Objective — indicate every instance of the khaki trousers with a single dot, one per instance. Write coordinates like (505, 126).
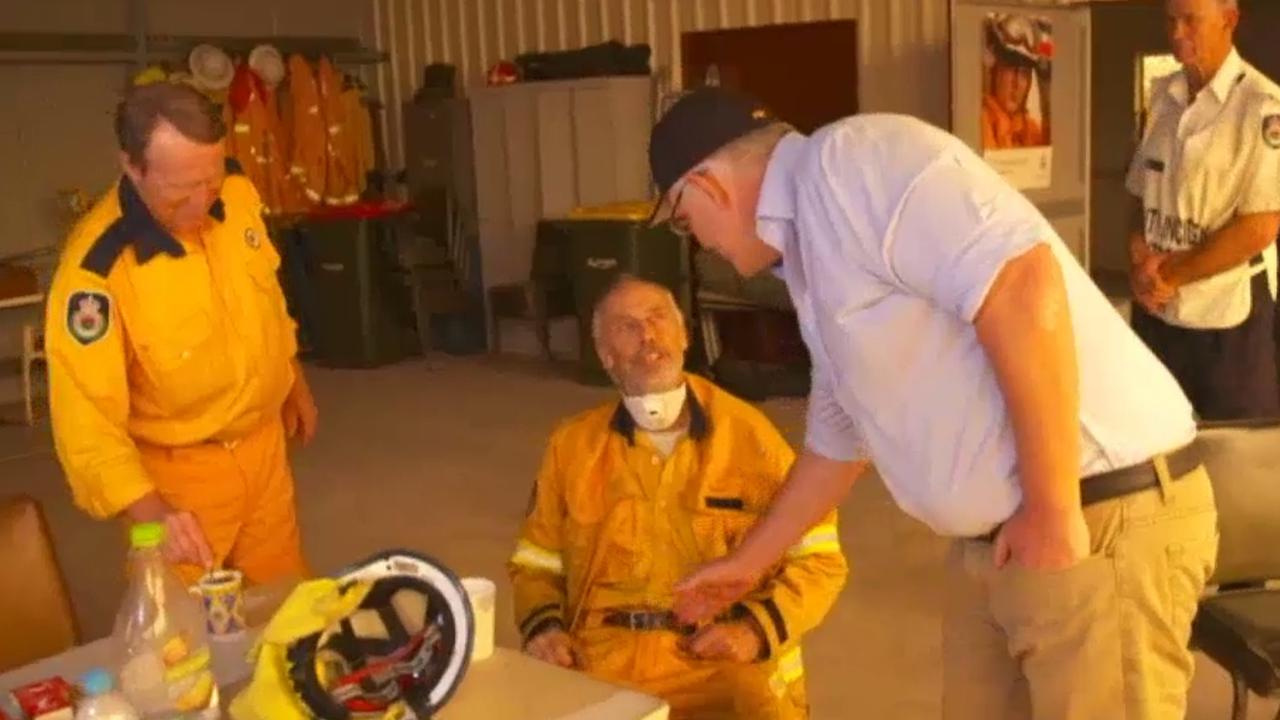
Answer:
(1104, 640)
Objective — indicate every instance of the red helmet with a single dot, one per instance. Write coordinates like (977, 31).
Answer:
(503, 72)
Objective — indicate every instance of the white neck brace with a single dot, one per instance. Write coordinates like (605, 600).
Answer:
(657, 411)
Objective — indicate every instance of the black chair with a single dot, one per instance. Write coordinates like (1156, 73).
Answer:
(1239, 626)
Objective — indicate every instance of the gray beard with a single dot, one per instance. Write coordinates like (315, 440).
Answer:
(659, 382)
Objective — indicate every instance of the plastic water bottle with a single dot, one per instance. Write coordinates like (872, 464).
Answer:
(166, 668)
(101, 702)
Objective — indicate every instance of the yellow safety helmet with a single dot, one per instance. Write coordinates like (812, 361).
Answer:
(388, 639)
(150, 75)
(1020, 40)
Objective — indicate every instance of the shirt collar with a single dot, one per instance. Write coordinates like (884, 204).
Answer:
(777, 192)
(699, 424)
(149, 238)
(1231, 72)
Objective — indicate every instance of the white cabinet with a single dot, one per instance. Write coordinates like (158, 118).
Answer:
(543, 148)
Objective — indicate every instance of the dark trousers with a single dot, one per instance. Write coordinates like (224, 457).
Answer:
(1228, 374)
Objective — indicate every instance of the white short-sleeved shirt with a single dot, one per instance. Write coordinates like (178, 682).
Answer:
(1202, 163)
(891, 233)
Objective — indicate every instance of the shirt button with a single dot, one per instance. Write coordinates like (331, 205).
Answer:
(655, 460)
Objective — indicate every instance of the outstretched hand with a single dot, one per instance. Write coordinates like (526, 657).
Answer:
(713, 588)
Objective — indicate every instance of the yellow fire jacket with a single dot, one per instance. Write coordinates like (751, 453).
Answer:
(612, 524)
(156, 340)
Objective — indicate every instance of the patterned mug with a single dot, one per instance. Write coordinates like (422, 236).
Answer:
(221, 593)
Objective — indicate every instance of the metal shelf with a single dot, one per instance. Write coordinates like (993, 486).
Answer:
(122, 49)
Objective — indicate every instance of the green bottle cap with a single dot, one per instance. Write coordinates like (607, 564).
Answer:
(146, 535)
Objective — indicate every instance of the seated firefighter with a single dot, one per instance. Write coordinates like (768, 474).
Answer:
(635, 494)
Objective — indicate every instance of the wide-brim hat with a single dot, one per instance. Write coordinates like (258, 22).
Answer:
(268, 63)
(211, 68)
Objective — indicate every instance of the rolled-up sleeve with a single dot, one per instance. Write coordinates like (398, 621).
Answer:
(956, 227)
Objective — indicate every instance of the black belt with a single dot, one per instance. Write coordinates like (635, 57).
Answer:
(647, 620)
(1127, 481)
(650, 620)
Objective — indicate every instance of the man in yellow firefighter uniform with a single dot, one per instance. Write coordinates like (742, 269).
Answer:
(634, 494)
(173, 381)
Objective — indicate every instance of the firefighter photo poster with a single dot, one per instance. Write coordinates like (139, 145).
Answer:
(1017, 73)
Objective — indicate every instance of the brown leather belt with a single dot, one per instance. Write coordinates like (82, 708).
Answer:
(1127, 481)
(651, 620)
(646, 620)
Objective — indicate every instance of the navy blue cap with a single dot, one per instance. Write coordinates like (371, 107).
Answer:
(696, 126)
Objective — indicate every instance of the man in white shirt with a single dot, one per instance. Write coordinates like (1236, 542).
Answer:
(958, 345)
(1207, 180)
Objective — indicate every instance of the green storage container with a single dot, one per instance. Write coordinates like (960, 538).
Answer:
(598, 251)
(362, 305)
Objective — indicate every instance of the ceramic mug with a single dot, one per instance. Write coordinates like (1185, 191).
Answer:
(222, 595)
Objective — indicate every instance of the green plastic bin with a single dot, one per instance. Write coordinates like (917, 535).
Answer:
(363, 304)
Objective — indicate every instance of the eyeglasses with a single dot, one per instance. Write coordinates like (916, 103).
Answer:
(679, 226)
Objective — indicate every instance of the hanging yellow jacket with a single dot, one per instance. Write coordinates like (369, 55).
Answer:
(307, 133)
(341, 186)
(359, 135)
(615, 525)
(276, 150)
(272, 150)
(293, 198)
(249, 135)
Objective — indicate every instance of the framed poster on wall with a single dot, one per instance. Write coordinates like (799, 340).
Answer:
(1017, 77)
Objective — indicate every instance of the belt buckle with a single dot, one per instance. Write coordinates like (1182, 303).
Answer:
(635, 621)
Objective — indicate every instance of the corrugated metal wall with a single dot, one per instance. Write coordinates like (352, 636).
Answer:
(903, 43)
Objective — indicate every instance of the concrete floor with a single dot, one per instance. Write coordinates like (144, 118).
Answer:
(438, 456)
